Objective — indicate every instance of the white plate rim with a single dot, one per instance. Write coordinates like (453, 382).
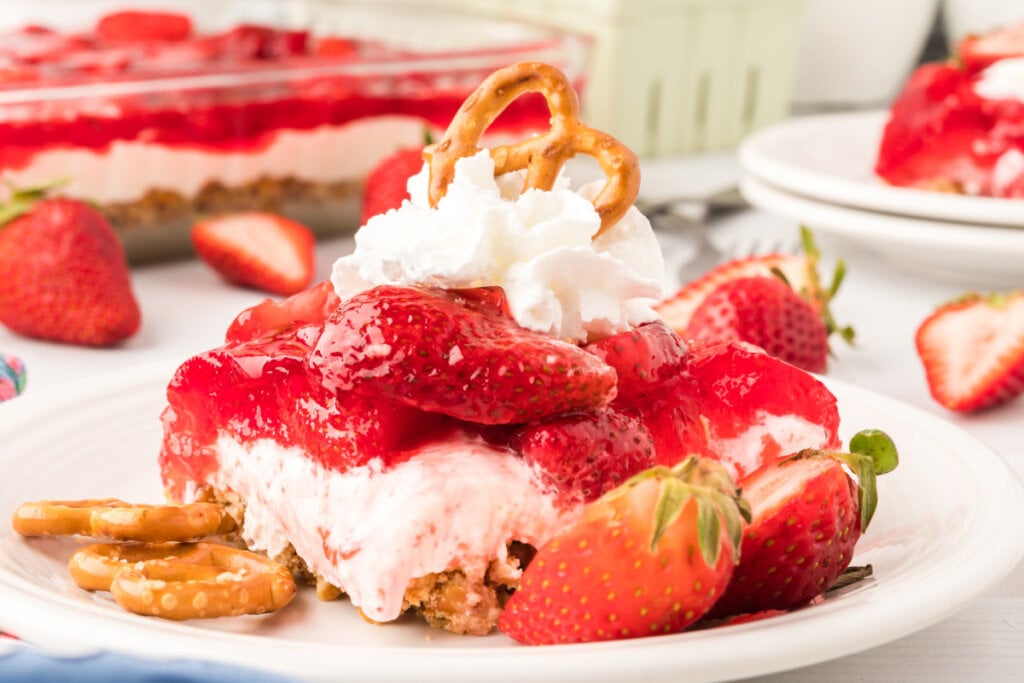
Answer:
(761, 155)
(737, 651)
(996, 253)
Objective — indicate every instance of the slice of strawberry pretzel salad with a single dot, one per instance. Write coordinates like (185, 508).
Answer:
(482, 420)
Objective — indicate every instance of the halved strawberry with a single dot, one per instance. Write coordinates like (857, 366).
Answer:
(585, 455)
(649, 557)
(980, 50)
(973, 350)
(808, 513)
(442, 352)
(774, 301)
(261, 250)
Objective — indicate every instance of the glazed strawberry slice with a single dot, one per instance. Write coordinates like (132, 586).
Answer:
(654, 386)
(269, 317)
(973, 351)
(808, 513)
(585, 455)
(644, 358)
(648, 558)
(758, 408)
(261, 250)
(437, 351)
(135, 26)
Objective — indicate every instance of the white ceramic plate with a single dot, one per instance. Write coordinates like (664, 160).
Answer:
(968, 254)
(831, 158)
(937, 541)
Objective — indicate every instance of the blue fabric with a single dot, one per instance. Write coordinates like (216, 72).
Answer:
(28, 665)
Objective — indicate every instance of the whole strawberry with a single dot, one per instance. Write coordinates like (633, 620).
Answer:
(808, 513)
(649, 557)
(774, 301)
(446, 352)
(767, 312)
(65, 277)
(385, 187)
(973, 350)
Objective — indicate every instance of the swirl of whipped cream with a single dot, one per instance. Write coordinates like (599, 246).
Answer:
(536, 245)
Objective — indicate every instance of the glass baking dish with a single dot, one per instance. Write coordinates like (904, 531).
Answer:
(159, 132)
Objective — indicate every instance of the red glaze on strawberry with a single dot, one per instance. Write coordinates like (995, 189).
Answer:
(972, 350)
(134, 26)
(644, 358)
(648, 558)
(805, 523)
(585, 455)
(758, 408)
(269, 317)
(942, 135)
(436, 351)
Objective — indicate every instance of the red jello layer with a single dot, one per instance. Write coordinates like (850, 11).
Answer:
(221, 92)
(942, 134)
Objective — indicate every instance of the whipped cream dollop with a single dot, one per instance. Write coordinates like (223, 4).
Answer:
(536, 245)
(1004, 80)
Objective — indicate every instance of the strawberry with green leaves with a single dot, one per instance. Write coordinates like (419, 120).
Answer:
(648, 558)
(972, 350)
(452, 353)
(65, 277)
(753, 300)
(808, 513)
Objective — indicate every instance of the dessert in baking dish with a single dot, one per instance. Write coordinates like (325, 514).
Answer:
(158, 121)
(484, 364)
(957, 125)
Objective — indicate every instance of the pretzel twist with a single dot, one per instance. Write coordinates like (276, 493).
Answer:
(542, 156)
(118, 520)
(188, 581)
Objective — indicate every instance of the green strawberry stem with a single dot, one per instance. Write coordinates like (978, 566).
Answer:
(878, 446)
(850, 576)
(817, 294)
(872, 452)
(718, 501)
(24, 198)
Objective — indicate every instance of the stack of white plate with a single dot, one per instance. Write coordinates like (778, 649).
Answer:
(818, 170)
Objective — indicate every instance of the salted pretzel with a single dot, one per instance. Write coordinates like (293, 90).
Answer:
(542, 156)
(187, 581)
(118, 520)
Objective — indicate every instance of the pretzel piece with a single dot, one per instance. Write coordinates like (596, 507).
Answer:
(187, 581)
(94, 567)
(542, 156)
(118, 520)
